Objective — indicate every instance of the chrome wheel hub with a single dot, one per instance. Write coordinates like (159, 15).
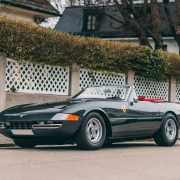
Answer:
(94, 130)
(170, 128)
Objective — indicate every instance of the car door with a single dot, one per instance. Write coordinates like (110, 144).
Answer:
(143, 115)
(118, 113)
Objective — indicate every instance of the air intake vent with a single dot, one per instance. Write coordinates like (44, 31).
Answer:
(20, 125)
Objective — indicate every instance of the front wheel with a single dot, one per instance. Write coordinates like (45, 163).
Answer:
(92, 133)
(168, 133)
(24, 145)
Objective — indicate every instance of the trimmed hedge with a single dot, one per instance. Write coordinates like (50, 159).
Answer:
(172, 65)
(24, 41)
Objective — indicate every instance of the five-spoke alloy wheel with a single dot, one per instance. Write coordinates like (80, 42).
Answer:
(170, 129)
(168, 133)
(92, 132)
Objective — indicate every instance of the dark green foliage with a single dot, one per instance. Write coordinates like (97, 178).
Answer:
(24, 41)
(172, 65)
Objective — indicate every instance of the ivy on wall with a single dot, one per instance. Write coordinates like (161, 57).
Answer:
(24, 41)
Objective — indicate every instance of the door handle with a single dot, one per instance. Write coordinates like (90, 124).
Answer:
(131, 103)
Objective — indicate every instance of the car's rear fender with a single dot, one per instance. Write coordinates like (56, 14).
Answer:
(173, 113)
(170, 112)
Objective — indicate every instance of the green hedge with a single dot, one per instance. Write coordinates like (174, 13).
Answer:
(24, 41)
(172, 65)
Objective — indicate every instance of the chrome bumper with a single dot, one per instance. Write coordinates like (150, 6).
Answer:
(46, 126)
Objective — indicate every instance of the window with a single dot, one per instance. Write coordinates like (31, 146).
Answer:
(164, 47)
(91, 22)
(91, 19)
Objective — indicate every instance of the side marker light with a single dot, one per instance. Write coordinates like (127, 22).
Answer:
(72, 117)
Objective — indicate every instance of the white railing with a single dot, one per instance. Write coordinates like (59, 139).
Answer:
(33, 78)
(90, 78)
(177, 98)
(151, 89)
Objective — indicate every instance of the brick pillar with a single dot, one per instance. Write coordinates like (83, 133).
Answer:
(130, 78)
(172, 90)
(75, 80)
(3, 59)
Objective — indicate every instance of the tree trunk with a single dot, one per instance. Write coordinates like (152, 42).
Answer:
(177, 4)
(156, 23)
(135, 23)
(174, 29)
(142, 36)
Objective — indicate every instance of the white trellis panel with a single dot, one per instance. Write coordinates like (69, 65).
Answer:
(33, 78)
(151, 89)
(177, 92)
(89, 78)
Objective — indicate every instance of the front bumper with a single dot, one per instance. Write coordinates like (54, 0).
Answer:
(53, 132)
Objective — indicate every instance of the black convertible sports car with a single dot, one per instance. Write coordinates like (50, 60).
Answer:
(96, 116)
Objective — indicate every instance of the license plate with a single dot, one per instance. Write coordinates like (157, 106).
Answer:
(21, 132)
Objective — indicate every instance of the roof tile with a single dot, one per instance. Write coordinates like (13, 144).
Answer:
(43, 5)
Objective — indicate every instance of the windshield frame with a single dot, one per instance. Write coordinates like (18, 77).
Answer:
(123, 86)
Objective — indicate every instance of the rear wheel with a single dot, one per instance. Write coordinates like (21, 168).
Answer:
(24, 145)
(168, 133)
(92, 133)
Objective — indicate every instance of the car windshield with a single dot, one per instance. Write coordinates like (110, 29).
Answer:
(119, 92)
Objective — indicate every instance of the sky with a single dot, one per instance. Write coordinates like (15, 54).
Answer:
(51, 22)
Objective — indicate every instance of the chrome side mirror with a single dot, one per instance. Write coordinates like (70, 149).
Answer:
(136, 99)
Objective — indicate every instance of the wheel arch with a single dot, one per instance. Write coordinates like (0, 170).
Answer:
(105, 118)
(161, 138)
(171, 112)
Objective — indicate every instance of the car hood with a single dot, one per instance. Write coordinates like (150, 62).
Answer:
(42, 108)
(38, 111)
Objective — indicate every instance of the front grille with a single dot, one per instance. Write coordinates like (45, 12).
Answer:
(20, 125)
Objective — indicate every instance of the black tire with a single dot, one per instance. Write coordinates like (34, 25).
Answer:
(92, 132)
(107, 144)
(168, 133)
(24, 145)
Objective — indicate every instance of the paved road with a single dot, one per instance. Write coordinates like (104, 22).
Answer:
(126, 161)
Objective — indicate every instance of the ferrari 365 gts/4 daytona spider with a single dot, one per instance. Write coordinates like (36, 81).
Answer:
(96, 116)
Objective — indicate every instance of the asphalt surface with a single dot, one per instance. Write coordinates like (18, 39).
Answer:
(130, 160)
(4, 141)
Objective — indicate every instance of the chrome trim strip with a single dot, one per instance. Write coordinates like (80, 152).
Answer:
(46, 126)
(129, 91)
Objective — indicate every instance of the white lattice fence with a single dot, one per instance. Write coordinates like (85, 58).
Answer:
(151, 89)
(89, 78)
(177, 92)
(31, 78)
